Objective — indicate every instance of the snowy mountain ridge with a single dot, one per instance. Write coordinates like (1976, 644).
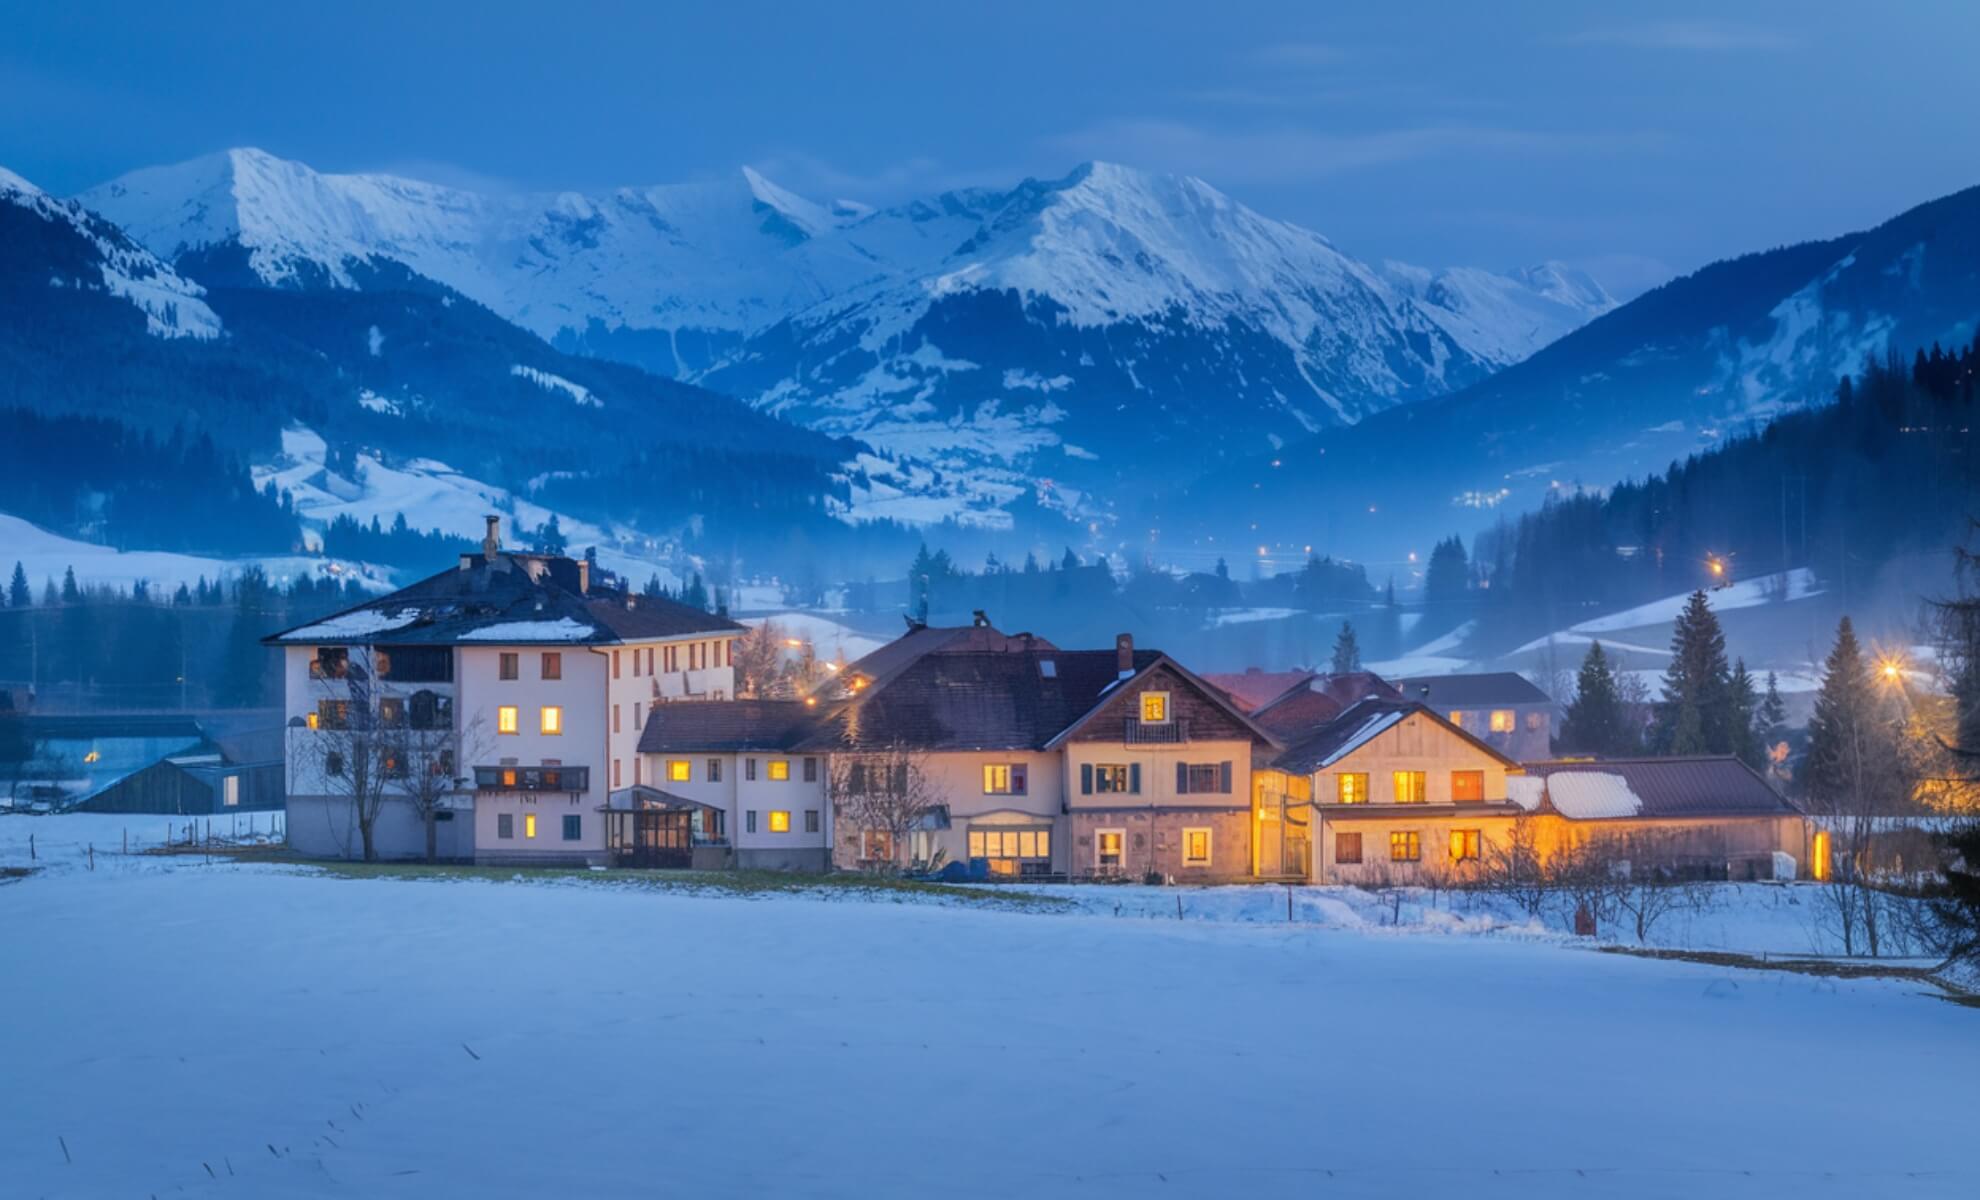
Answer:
(173, 306)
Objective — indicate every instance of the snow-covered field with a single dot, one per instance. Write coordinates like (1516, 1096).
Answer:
(45, 556)
(268, 1031)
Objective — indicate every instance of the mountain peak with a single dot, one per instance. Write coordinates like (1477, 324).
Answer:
(15, 183)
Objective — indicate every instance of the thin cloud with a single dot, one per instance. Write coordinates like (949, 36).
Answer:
(1700, 37)
(1299, 54)
(1296, 154)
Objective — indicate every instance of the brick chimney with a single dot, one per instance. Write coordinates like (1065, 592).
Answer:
(491, 542)
(1124, 654)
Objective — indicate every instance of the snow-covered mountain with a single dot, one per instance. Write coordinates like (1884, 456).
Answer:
(66, 246)
(1035, 339)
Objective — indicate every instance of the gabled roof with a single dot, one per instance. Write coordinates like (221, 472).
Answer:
(1252, 689)
(1607, 789)
(1479, 690)
(1322, 698)
(512, 599)
(687, 726)
(1214, 695)
(973, 700)
(1361, 724)
(883, 664)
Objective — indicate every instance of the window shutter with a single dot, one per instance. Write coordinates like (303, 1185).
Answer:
(1086, 779)
(1134, 778)
(1182, 779)
(1224, 777)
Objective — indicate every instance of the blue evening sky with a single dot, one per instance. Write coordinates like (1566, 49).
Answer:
(1633, 139)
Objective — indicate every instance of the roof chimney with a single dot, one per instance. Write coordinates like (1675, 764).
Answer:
(491, 542)
(980, 619)
(584, 577)
(1124, 654)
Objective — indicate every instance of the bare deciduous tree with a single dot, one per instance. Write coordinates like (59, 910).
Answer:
(425, 758)
(342, 751)
(758, 658)
(885, 791)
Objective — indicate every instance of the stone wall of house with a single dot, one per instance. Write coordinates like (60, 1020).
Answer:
(1153, 840)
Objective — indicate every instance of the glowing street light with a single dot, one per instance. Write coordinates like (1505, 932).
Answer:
(1891, 668)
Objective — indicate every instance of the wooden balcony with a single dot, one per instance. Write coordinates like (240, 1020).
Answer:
(532, 779)
(1145, 733)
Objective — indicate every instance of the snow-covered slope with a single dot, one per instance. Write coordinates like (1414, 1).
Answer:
(74, 248)
(45, 556)
(996, 334)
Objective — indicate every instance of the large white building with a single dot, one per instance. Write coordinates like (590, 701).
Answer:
(512, 677)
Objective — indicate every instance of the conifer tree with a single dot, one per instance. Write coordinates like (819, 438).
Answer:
(695, 595)
(1695, 714)
(1347, 652)
(1842, 729)
(49, 596)
(1596, 721)
(71, 594)
(19, 594)
(1745, 715)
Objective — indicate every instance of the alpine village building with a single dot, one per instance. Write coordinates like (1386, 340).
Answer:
(582, 724)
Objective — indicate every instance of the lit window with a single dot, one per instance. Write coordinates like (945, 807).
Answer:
(1351, 787)
(679, 770)
(529, 825)
(780, 821)
(1464, 844)
(1155, 707)
(1410, 787)
(1457, 718)
(507, 719)
(780, 771)
(553, 719)
(1405, 847)
(1196, 847)
(1467, 786)
(1107, 845)
(1502, 720)
(231, 790)
(1004, 779)
(1347, 847)
(1020, 844)
(311, 720)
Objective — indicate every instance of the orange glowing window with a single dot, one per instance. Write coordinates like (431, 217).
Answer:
(1410, 787)
(680, 770)
(1351, 787)
(1467, 786)
(529, 825)
(780, 821)
(1502, 720)
(1405, 847)
(507, 719)
(780, 770)
(1155, 707)
(553, 719)
(1464, 844)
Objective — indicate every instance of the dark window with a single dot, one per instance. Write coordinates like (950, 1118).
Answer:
(333, 714)
(553, 665)
(417, 664)
(749, 772)
(1347, 847)
(391, 712)
(333, 763)
(505, 826)
(331, 662)
(573, 827)
(714, 770)
(749, 821)
(511, 666)
(811, 770)
(811, 820)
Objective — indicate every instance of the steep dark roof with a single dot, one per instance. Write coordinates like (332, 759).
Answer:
(685, 726)
(1465, 691)
(884, 663)
(975, 700)
(1324, 697)
(516, 599)
(1361, 723)
(1715, 786)
(1252, 689)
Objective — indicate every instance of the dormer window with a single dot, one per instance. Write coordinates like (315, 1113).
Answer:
(1155, 708)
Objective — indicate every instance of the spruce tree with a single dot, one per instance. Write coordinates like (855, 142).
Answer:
(49, 596)
(1347, 653)
(1842, 725)
(19, 594)
(1745, 715)
(1695, 714)
(1596, 722)
(71, 594)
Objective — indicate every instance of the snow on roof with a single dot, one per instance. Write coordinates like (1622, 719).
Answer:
(1591, 795)
(1362, 736)
(358, 623)
(1527, 791)
(563, 629)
